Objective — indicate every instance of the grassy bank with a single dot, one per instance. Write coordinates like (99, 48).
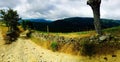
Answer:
(76, 47)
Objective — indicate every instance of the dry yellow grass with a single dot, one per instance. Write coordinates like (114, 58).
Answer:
(21, 29)
(75, 34)
(68, 49)
(43, 43)
(64, 48)
(3, 30)
(80, 35)
(104, 55)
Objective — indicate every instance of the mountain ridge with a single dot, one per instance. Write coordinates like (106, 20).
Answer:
(73, 24)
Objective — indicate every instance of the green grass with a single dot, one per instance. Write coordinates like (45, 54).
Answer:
(115, 31)
(111, 30)
(54, 46)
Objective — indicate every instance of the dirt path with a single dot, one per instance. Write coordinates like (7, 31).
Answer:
(24, 50)
(27, 51)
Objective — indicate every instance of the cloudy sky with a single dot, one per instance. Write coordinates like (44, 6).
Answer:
(56, 9)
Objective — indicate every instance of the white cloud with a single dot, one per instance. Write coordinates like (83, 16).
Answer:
(55, 9)
(110, 9)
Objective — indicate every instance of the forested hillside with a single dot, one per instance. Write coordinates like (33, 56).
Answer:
(73, 24)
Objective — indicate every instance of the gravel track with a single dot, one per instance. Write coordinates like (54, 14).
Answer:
(24, 50)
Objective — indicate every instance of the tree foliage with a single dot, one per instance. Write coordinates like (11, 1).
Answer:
(26, 24)
(11, 18)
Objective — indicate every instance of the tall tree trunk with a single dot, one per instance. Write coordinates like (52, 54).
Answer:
(97, 22)
(95, 5)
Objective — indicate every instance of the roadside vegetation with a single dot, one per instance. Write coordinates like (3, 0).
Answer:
(10, 19)
(77, 44)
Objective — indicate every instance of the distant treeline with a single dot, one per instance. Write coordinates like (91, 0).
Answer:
(74, 24)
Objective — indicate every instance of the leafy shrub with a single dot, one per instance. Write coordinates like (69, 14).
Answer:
(7, 39)
(11, 36)
(28, 34)
(54, 46)
(88, 48)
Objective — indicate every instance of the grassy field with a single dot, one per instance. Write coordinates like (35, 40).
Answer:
(72, 34)
(114, 31)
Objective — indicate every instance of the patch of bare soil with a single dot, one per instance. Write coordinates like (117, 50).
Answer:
(24, 50)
